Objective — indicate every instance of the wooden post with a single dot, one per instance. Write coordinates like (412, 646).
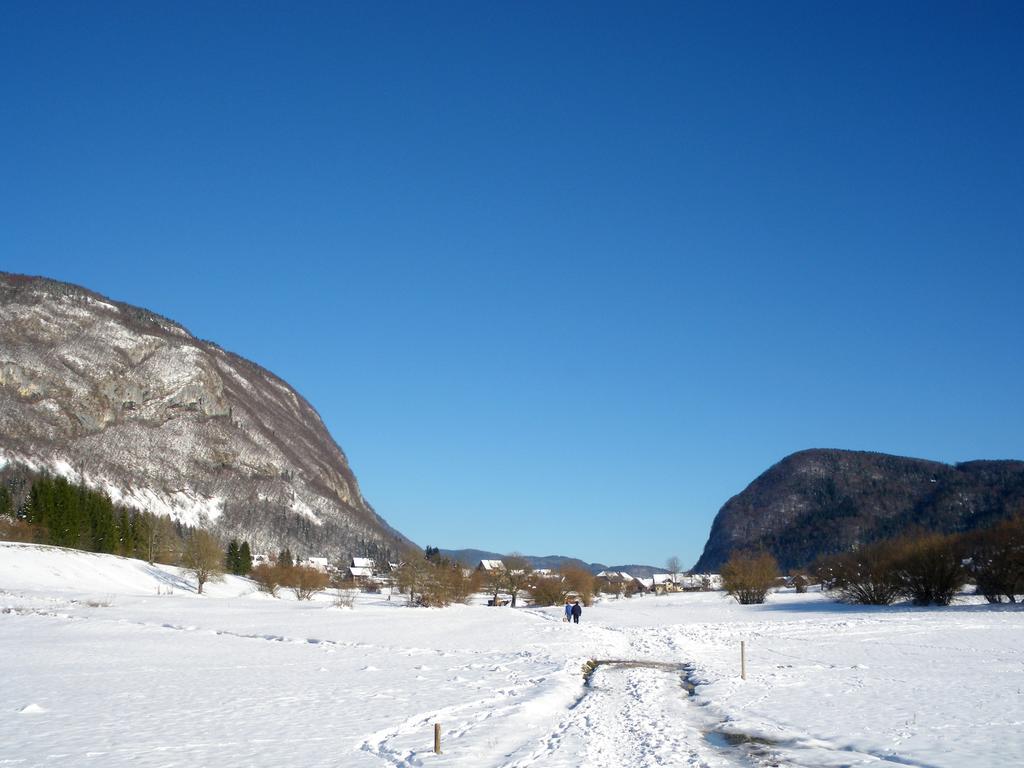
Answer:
(743, 659)
(437, 738)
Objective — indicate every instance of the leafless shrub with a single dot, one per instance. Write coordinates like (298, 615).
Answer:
(304, 581)
(548, 591)
(580, 582)
(996, 560)
(866, 577)
(749, 577)
(267, 578)
(800, 582)
(12, 529)
(345, 599)
(370, 587)
(930, 569)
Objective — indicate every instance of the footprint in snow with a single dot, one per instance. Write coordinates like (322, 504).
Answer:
(31, 709)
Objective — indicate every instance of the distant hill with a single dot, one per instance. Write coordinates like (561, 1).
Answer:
(824, 501)
(471, 557)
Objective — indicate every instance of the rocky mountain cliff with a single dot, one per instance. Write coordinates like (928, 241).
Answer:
(825, 501)
(131, 403)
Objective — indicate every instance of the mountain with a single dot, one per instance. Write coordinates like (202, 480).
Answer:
(130, 403)
(471, 557)
(822, 501)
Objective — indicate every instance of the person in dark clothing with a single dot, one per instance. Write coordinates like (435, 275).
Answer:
(576, 611)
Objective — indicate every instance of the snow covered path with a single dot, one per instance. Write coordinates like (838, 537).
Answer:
(97, 668)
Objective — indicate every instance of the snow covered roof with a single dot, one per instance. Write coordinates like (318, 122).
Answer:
(491, 565)
(662, 578)
(362, 562)
(358, 573)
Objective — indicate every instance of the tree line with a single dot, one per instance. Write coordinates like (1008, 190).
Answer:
(931, 568)
(63, 514)
(925, 567)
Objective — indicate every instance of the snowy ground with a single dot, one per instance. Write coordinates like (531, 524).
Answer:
(100, 666)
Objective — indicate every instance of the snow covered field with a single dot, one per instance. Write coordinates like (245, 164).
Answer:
(100, 666)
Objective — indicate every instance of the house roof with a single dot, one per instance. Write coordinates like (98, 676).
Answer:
(492, 565)
(362, 562)
(360, 572)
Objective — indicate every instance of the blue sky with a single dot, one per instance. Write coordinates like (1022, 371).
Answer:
(560, 278)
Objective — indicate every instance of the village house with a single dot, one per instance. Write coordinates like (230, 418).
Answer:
(620, 581)
(361, 570)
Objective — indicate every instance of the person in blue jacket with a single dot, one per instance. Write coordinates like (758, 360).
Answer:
(576, 612)
(568, 610)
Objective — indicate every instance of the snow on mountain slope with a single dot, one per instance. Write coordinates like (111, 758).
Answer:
(132, 404)
(238, 678)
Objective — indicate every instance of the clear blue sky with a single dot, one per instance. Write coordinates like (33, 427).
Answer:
(560, 278)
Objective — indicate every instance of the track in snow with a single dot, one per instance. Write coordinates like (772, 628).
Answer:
(621, 720)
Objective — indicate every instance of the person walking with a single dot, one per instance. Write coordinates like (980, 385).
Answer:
(568, 611)
(576, 612)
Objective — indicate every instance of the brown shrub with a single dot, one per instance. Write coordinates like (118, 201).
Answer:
(304, 581)
(12, 529)
(930, 568)
(548, 591)
(868, 576)
(267, 578)
(580, 582)
(996, 557)
(749, 577)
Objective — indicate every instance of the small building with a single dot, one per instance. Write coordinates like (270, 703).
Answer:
(662, 583)
(360, 575)
(491, 566)
(621, 581)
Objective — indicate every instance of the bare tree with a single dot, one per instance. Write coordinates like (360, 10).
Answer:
(580, 582)
(412, 575)
(492, 581)
(672, 565)
(203, 557)
(518, 574)
(160, 538)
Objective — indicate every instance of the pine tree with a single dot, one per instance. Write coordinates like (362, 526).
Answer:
(244, 559)
(231, 559)
(126, 534)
